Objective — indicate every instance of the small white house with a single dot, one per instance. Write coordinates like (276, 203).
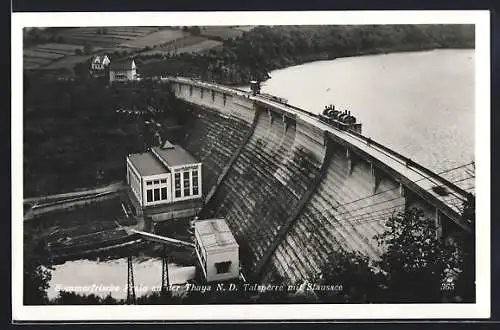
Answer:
(99, 63)
(217, 250)
(122, 71)
(166, 175)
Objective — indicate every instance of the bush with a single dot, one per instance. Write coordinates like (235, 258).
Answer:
(88, 48)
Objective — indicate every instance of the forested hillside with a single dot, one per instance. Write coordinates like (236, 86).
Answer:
(73, 138)
(265, 48)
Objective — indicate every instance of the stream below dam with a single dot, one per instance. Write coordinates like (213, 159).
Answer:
(110, 277)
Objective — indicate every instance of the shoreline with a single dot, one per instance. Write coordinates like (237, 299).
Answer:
(323, 57)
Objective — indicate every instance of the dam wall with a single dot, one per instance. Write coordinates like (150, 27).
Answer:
(265, 184)
(213, 139)
(271, 173)
(344, 213)
(292, 189)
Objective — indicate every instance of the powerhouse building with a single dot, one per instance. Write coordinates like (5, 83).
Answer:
(165, 182)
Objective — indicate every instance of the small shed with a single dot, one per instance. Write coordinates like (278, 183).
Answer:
(217, 250)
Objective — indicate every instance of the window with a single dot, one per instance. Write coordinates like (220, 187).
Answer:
(177, 184)
(194, 182)
(224, 98)
(223, 267)
(185, 178)
(156, 182)
(213, 96)
(163, 180)
(201, 92)
(164, 193)
(149, 183)
(149, 195)
(157, 194)
(190, 90)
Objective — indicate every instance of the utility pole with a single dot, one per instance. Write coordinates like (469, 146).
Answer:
(165, 282)
(130, 282)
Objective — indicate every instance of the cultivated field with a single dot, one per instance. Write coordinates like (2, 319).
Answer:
(48, 54)
(156, 38)
(69, 49)
(190, 44)
(63, 55)
(245, 28)
(222, 32)
(68, 62)
(106, 36)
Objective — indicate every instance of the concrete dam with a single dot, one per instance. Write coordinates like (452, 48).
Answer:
(293, 188)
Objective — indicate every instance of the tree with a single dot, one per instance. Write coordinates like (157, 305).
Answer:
(36, 277)
(72, 298)
(35, 284)
(350, 277)
(465, 286)
(195, 30)
(415, 260)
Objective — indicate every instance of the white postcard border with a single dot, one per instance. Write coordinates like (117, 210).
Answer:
(481, 309)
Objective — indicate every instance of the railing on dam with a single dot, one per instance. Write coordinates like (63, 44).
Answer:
(404, 170)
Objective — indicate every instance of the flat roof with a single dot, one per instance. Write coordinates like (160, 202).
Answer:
(147, 164)
(214, 234)
(175, 155)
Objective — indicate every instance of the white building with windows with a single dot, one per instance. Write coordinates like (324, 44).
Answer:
(165, 182)
(99, 62)
(217, 250)
(122, 71)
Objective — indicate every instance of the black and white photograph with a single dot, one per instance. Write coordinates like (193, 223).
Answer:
(222, 170)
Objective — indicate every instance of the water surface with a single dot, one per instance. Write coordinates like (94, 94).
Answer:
(110, 277)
